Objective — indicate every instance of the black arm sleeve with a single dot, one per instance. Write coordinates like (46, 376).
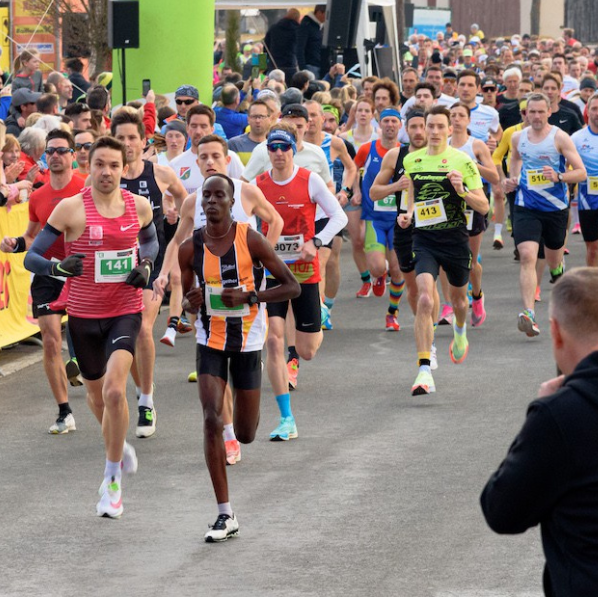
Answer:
(148, 243)
(34, 260)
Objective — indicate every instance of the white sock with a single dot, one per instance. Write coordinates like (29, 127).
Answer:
(112, 470)
(225, 509)
(146, 400)
(137, 392)
(229, 432)
(497, 229)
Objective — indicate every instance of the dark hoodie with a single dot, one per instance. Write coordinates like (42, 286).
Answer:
(550, 477)
(281, 42)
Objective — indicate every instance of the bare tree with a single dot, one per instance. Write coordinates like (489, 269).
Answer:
(86, 22)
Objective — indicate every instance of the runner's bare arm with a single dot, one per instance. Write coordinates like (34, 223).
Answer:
(192, 296)
(512, 182)
(12, 244)
(171, 183)
(144, 211)
(485, 164)
(264, 210)
(404, 220)
(381, 188)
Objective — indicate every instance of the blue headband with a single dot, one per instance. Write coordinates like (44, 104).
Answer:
(390, 112)
(280, 136)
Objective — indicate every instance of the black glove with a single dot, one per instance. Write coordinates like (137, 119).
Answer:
(69, 267)
(139, 276)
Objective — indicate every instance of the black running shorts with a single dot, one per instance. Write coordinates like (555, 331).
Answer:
(44, 290)
(588, 220)
(306, 308)
(245, 367)
(95, 340)
(534, 225)
(455, 260)
(403, 246)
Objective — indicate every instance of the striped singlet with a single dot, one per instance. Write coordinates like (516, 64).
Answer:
(110, 247)
(239, 330)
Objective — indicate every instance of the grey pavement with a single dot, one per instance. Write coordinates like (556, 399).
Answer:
(378, 495)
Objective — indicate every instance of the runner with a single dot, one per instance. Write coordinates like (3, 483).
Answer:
(392, 169)
(364, 132)
(586, 143)
(329, 255)
(249, 204)
(298, 247)
(543, 161)
(380, 216)
(228, 259)
(105, 297)
(477, 223)
(151, 181)
(259, 123)
(441, 180)
(83, 142)
(175, 136)
(45, 289)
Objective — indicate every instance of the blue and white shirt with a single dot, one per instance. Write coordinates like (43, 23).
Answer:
(586, 143)
(535, 191)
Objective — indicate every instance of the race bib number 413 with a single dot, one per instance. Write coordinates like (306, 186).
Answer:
(429, 213)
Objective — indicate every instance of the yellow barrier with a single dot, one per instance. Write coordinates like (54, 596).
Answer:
(16, 318)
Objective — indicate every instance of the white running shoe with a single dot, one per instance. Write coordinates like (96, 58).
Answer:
(224, 527)
(146, 423)
(169, 337)
(129, 462)
(433, 358)
(63, 425)
(111, 501)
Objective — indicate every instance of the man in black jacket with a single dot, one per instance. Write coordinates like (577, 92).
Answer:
(309, 40)
(281, 43)
(550, 474)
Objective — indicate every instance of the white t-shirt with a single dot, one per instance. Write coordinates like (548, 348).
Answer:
(484, 119)
(186, 168)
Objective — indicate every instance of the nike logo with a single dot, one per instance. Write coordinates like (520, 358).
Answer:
(562, 121)
(304, 325)
(117, 504)
(123, 228)
(119, 338)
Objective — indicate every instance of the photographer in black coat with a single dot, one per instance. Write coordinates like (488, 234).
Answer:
(550, 474)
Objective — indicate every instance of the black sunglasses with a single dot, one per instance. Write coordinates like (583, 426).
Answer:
(58, 150)
(179, 102)
(86, 146)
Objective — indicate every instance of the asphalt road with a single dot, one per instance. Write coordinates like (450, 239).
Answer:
(377, 496)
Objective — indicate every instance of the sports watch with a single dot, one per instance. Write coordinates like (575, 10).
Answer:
(252, 298)
(317, 242)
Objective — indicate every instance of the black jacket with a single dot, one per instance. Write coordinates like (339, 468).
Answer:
(309, 42)
(12, 126)
(281, 42)
(550, 477)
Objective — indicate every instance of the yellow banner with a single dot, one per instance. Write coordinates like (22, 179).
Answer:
(16, 319)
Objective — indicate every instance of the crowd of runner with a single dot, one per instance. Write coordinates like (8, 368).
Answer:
(232, 211)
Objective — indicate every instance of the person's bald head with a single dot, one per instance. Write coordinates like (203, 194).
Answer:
(293, 14)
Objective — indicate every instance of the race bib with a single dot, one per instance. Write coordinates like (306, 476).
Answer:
(387, 204)
(404, 200)
(469, 217)
(535, 178)
(429, 213)
(216, 308)
(288, 247)
(114, 266)
(592, 185)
